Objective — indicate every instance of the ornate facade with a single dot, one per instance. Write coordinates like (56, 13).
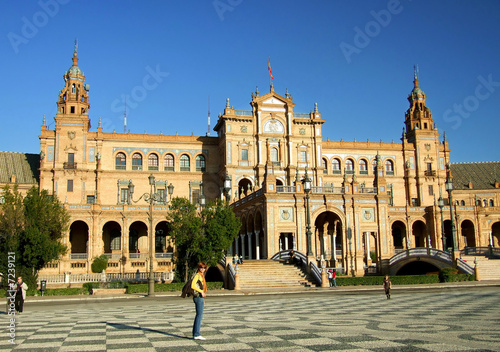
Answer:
(368, 200)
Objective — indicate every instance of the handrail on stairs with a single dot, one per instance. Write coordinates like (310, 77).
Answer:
(302, 258)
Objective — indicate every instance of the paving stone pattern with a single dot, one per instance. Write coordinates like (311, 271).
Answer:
(423, 321)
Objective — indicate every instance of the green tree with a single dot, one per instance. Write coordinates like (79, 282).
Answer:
(35, 237)
(204, 236)
(99, 264)
(12, 218)
(186, 232)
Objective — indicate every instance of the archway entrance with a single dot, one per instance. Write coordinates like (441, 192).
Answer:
(244, 187)
(138, 235)
(419, 231)
(328, 240)
(78, 238)
(495, 234)
(398, 235)
(468, 233)
(111, 237)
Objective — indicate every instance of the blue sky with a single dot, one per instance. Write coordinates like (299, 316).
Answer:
(354, 58)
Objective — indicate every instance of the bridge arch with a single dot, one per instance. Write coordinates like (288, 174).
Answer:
(424, 258)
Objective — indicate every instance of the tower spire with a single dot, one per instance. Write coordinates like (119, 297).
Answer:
(75, 53)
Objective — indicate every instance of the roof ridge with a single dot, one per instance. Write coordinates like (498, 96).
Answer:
(475, 162)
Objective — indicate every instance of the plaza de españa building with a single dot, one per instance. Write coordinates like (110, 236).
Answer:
(366, 201)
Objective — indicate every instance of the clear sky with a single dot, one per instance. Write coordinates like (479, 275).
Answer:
(354, 59)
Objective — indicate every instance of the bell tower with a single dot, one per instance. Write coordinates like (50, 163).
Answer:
(418, 116)
(424, 155)
(73, 100)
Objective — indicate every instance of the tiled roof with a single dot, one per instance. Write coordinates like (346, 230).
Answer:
(482, 175)
(24, 166)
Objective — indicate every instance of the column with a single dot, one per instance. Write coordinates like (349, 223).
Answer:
(325, 235)
(249, 235)
(257, 244)
(334, 254)
(368, 258)
(243, 246)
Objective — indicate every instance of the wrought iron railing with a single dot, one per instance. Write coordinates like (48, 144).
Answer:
(489, 251)
(303, 263)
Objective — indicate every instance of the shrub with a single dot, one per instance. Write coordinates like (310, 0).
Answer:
(99, 264)
(65, 291)
(445, 275)
(88, 286)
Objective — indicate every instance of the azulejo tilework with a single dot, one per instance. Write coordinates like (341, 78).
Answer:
(423, 321)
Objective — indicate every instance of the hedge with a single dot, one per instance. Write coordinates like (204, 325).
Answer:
(172, 287)
(404, 280)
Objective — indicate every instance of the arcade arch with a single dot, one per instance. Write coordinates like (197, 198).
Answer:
(328, 239)
(79, 237)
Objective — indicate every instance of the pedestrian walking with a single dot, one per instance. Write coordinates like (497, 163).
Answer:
(21, 289)
(199, 286)
(334, 278)
(330, 277)
(387, 286)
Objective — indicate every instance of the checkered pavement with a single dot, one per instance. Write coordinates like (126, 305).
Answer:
(423, 321)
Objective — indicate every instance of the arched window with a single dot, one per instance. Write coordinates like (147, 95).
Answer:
(153, 162)
(336, 166)
(184, 162)
(462, 203)
(363, 167)
(325, 166)
(485, 203)
(200, 163)
(492, 203)
(389, 167)
(120, 161)
(349, 166)
(274, 155)
(137, 161)
(374, 165)
(73, 88)
(169, 162)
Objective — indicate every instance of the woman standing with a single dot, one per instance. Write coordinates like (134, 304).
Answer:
(199, 286)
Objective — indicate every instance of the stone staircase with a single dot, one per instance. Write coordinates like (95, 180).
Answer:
(489, 269)
(271, 273)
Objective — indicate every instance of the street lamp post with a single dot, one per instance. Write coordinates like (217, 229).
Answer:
(441, 206)
(306, 181)
(227, 187)
(449, 189)
(150, 197)
(202, 197)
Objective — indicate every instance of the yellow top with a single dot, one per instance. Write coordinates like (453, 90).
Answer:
(194, 284)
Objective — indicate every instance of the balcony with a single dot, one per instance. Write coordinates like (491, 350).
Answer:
(430, 173)
(285, 189)
(78, 256)
(330, 190)
(368, 190)
(68, 165)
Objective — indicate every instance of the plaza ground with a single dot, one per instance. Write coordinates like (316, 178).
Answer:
(445, 317)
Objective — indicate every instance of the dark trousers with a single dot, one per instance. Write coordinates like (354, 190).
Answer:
(19, 302)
